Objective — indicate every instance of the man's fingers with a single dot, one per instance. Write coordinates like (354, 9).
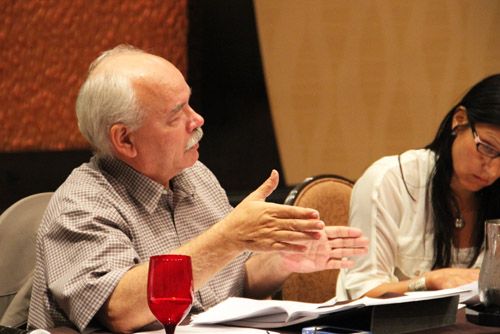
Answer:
(299, 225)
(348, 242)
(279, 240)
(287, 211)
(296, 236)
(343, 232)
(266, 188)
(339, 253)
(339, 264)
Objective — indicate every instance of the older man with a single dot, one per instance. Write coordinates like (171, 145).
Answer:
(145, 193)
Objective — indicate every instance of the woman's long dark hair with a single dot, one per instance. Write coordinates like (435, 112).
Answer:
(482, 103)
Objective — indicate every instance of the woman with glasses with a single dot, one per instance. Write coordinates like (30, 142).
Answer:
(424, 210)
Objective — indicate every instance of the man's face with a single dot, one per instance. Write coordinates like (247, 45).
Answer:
(163, 139)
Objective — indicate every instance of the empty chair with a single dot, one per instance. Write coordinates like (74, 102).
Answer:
(330, 195)
(18, 228)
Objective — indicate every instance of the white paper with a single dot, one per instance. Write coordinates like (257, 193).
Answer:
(236, 308)
(278, 313)
(465, 292)
(195, 329)
(471, 297)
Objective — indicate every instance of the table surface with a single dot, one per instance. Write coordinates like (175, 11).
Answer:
(461, 327)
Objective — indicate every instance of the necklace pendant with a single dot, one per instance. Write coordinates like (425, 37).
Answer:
(459, 223)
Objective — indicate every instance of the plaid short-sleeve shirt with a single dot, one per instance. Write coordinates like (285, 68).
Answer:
(107, 218)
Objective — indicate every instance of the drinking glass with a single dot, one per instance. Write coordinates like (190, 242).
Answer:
(489, 275)
(170, 289)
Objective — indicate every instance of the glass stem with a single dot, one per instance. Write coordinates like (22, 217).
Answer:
(170, 329)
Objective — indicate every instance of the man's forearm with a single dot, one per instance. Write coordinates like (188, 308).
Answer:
(210, 252)
(264, 275)
(127, 309)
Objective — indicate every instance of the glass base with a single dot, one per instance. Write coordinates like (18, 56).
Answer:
(483, 316)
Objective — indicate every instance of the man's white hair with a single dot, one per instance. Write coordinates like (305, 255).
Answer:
(107, 98)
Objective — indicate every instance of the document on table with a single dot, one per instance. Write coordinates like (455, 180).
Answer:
(279, 313)
(264, 313)
(204, 329)
(468, 293)
(470, 297)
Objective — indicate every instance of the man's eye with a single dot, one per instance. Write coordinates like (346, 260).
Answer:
(174, 120)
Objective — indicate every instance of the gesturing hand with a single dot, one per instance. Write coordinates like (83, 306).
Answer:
(259, 226)
(335, 243)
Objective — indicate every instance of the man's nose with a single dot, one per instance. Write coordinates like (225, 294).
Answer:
(196, 120)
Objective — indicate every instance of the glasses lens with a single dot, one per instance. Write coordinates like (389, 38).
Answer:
(482, 147)
(487, 150)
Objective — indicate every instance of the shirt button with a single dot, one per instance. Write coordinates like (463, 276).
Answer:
(164, 191)
(417, 273)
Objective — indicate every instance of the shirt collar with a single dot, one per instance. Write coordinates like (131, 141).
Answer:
(182, 184)
(147, 191)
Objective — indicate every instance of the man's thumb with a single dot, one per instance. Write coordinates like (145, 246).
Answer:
(266, 188)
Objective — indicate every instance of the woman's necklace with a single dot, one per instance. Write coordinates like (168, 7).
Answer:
(459, 222)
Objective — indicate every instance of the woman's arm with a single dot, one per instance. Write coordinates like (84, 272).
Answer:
(445, 278)
(375, 209)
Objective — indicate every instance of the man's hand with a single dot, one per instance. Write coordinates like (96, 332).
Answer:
(266, 272)
(259, 226)
(336, 243)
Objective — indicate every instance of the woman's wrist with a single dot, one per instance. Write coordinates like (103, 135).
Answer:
(417, 284)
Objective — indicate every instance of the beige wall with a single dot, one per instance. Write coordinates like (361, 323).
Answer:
(351, 81)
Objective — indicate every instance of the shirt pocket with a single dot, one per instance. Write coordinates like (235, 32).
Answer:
(410, 266)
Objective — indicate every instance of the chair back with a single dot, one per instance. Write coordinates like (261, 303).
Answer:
(18, 228)
(330, 195)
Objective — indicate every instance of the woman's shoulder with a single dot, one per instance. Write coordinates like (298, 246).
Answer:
(405, 158)
(422, 158)
(414, 165)
(418, 156)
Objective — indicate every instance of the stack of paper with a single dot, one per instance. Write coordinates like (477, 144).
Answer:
(278, 313)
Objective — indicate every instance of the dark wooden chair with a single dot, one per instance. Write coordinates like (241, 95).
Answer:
(330, 195)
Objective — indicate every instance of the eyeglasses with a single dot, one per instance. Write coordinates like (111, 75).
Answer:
(482, 147)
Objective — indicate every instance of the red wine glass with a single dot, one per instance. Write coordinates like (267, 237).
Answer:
(170, 289)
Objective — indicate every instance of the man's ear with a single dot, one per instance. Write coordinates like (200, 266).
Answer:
(120, 138)
(459, 118)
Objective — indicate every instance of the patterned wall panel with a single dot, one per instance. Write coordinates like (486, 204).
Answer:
(46, 47)
(351, 81)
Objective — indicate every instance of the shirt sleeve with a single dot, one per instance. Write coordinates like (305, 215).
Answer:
(86, 256)
(376, 207)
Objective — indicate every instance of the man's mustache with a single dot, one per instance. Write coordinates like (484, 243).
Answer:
(195, 138)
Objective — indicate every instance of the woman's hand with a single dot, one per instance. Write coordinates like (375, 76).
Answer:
(439, 279)
(447, 278)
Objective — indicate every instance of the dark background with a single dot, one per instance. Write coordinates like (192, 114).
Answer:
(228, 90)
(227, 80)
